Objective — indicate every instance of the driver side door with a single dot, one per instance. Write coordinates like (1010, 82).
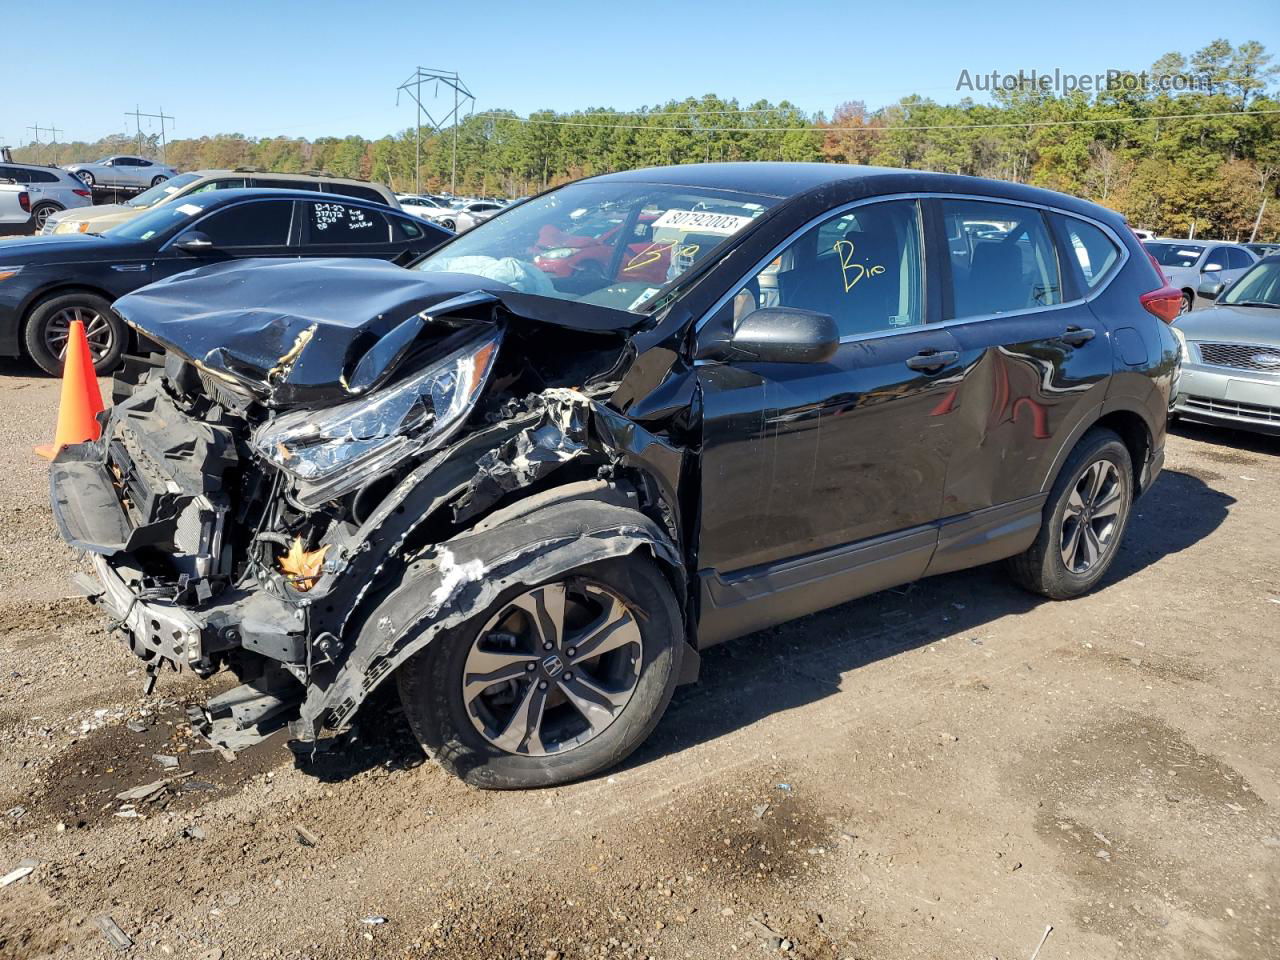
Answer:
(822, 482)
(249, 228)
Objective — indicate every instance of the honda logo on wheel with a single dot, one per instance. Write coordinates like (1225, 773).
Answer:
(553, 665)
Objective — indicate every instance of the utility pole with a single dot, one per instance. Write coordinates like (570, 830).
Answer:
(163, 117)
(413, 88)
(53, 144)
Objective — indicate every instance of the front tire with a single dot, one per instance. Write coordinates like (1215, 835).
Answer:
(1084, 520)
(86, 178)
(552, 683)
(49, 325)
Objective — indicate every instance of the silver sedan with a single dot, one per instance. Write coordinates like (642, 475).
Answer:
(1231, 355)
(122, 171)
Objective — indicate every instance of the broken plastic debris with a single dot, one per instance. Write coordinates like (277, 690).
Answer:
(305, 836)
(13, 876)
(373, 921)
(111, 930)
(302, 566)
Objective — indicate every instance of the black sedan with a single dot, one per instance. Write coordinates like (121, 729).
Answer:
(47, 282)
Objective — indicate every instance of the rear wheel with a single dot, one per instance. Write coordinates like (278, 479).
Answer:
(85, 177)
(551, 683)
(42, 213)
(1084, 520)
(156, 181)
(1188, 300)
(48, 331)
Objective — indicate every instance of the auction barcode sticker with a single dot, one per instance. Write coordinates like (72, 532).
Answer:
(701, 221)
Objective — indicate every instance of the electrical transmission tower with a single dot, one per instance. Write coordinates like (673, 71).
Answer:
(413, 87)
(137, 115)
(53, 143)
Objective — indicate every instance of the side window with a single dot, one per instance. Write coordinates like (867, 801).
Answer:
(1237, 259)
(1002, 259)
(329, 222)
(42, 176)
(252, 224)
(864, 268)
(234, 183)
(1091, 248)
(354, 190)
(406, 229)
(1215, 259)
(14, 174)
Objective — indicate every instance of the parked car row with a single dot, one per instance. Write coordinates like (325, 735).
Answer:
(452, 213)
(48, 281)
(51, 189)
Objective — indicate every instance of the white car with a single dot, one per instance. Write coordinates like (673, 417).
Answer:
(15, 207)
(428, 209)
(52, 190)
(121, 171)
(464, 216)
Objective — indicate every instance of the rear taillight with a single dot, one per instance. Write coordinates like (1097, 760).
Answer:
(24, 201)
(1165, 303)
(87, 194)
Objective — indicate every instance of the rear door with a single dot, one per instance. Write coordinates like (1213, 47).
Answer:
(338, 228)
(821, 482)
(1035, 361)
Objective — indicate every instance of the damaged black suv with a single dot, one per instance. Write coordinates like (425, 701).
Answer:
(633, 417)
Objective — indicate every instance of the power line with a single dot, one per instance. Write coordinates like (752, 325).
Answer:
(137, 115)
(882, 129)
(53, 143)
(413, 87)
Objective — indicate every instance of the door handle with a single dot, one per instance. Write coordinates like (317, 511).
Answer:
(1077, 335)
(932, 360)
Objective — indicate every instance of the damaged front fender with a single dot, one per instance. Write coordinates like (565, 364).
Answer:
(447, 585)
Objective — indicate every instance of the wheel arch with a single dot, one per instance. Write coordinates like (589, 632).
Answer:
(1130, 423)
(446, 584)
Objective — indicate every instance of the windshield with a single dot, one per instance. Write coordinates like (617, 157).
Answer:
(1260, 286)
(157, 220)
(161, 191)
(1175, 254)
(612, 244)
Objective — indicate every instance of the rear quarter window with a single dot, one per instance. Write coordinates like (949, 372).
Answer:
(357, 191)
(1087, 247)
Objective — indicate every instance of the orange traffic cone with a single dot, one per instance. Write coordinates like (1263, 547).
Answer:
(81, 402)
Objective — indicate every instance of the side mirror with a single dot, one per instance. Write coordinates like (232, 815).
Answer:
(193, 241)
(784, 335)
(1212, 267)
(1211, 289)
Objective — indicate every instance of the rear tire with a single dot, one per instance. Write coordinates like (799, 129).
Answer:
(156, 181)
(42, 213)
(1188, 301)
(1084, 520)
(48, 324)
(454, 723)
(86, 178)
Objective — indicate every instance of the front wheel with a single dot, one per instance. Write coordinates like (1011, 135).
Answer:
(551, 683)
(48, 331)
(1084, 520)
(42, 213)
(1186, 303)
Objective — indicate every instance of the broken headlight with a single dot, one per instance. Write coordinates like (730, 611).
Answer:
(339, 449)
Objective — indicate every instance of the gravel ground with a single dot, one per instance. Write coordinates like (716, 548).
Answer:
(945, 770)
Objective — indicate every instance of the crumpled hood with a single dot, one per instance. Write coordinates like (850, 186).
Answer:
(305, 330)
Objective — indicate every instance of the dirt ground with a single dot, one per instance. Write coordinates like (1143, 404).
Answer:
(942, 771)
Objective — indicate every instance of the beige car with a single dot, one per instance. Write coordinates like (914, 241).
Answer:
(97, 219)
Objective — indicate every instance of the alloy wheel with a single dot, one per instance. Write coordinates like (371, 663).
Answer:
(1092, 517)
(42, 216)
(553, 669)
(57, 332)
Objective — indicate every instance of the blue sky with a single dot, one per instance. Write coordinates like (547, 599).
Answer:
(279, 67)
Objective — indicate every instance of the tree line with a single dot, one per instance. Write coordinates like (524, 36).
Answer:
(1205, 160)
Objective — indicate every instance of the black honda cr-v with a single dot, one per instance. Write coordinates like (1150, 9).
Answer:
(630, 418)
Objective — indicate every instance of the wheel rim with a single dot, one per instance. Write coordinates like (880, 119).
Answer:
(1095, 509)
(97, 329)
(553, 669)
(42, 215)
(85, 177)
(158, 180)
(1185, 305)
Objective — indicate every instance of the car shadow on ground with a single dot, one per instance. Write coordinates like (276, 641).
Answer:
(800, 662)
(1244, 441)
